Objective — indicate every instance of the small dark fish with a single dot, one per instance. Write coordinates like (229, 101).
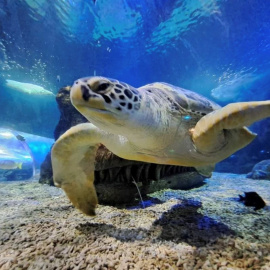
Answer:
(94, 1)
(20, 138)
(253, 199)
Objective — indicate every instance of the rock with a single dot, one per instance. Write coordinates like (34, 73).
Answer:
(46, 175)
(16, 174)
(261, 170)
(69, 116)
(115, 177)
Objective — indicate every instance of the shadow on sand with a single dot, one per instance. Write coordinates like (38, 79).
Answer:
(180, 224)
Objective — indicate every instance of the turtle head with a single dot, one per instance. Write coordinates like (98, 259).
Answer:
(100, 98)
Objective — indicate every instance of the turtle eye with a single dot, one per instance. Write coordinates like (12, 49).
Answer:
(102, 87)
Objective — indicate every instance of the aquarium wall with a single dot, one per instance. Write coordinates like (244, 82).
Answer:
(218, 48)
(21, 154)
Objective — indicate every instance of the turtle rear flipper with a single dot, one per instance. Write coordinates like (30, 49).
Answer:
(205, 170)
(225, 127)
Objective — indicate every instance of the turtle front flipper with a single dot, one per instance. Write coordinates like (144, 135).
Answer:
(73, 157)
(225, 127)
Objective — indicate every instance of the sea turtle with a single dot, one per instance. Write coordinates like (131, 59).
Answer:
(158, 123)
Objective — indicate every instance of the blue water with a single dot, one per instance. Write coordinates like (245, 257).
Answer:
(220, 49)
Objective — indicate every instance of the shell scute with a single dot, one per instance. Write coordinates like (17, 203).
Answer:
(182, 99)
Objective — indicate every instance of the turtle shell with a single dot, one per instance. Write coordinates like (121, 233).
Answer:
(186, 100)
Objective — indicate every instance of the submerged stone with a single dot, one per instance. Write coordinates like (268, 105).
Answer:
(261, 170)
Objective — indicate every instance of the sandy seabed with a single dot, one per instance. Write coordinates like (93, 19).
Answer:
(203, 228)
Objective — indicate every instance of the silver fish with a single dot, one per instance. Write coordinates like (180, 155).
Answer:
(10, 165)
(28, 88)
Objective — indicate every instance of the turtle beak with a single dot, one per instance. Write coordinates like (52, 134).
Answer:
(76, 93)
(83, 98)
(80, 93)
